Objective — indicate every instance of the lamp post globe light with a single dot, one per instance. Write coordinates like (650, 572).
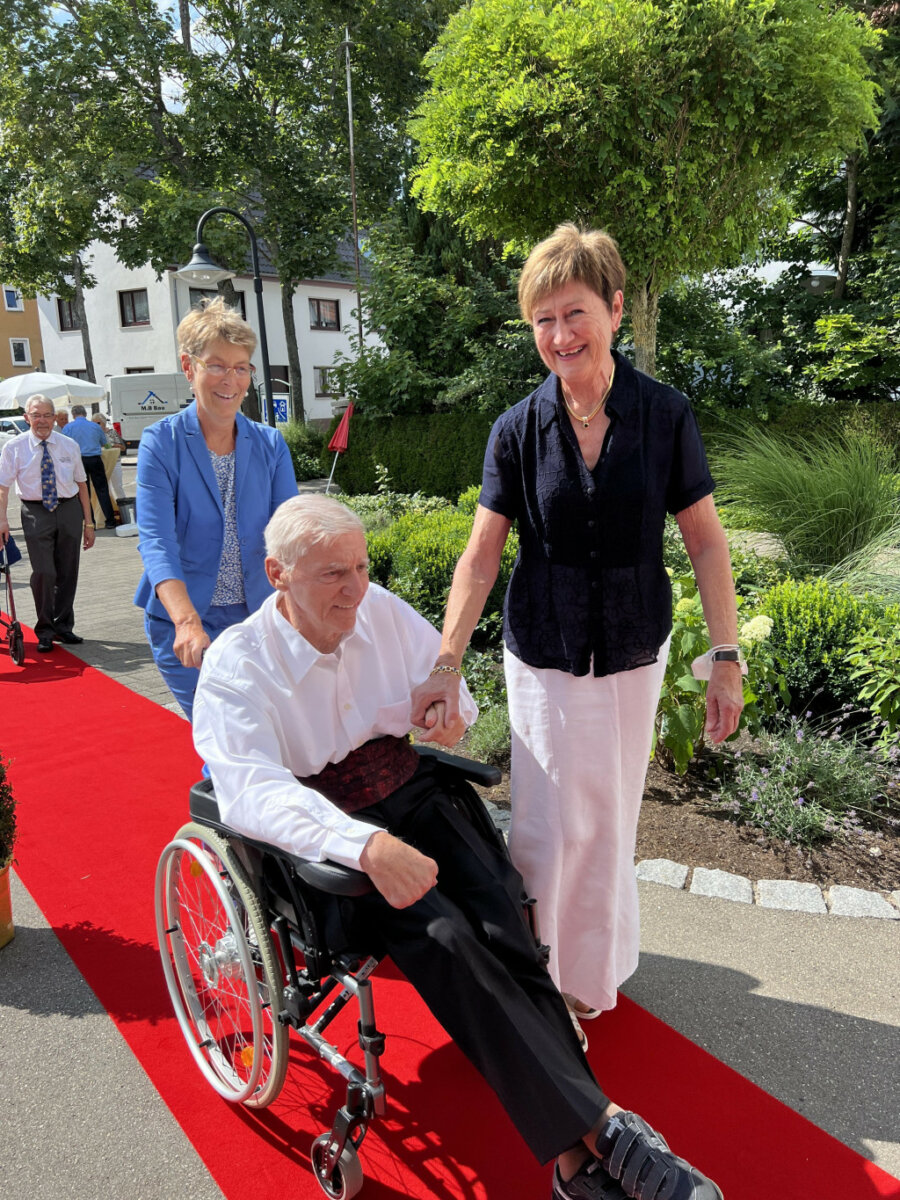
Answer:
(203, 272)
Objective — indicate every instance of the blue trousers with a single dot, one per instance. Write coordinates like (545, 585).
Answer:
(180, 680)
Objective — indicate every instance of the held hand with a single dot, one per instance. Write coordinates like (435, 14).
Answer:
(724, 701)
(191, 640)
(90, 536)
(400, 872)
(4, 530)
(437, 728)
(436, 689)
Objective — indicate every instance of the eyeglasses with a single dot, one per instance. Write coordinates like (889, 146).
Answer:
(217, 371)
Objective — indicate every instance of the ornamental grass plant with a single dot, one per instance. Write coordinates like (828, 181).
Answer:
(826, 499)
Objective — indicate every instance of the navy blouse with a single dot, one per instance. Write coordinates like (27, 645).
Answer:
(589, 583)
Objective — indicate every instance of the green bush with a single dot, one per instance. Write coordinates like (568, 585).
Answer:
(489, 738)
(825, 498)
(805, 782)
(752, 572)
(813, 633)
(875, 661)
(378, 509)
(678, 734)
(7, 817)
(441, 454)
(424, 553)
(306, 445)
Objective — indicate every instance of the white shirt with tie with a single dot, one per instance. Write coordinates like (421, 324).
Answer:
(20, 463)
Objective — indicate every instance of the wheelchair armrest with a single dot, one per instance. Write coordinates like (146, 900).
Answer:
(476, 772)
(333, 878)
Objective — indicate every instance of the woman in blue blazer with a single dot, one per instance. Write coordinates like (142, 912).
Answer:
(208, 480)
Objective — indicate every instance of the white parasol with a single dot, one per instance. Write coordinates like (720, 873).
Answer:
(16, 390)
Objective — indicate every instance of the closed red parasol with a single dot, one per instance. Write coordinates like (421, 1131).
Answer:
(340, 439)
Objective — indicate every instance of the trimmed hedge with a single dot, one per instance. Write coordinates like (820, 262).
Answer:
(440, 454)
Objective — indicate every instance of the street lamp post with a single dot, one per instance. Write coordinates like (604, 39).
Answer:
(202, 270)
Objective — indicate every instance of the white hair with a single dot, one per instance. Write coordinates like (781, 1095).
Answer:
(303, 522)
(39, 398)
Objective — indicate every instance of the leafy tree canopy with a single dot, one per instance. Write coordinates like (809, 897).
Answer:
(668, 122)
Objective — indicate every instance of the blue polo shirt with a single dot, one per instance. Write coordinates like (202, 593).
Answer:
(88, 434)
(589, 589)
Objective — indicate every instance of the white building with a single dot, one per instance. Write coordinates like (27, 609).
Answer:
(132, 317)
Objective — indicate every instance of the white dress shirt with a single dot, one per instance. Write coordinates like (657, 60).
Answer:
(20, 462)
(270, 706)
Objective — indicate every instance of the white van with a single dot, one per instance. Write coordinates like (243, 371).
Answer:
(135, 401)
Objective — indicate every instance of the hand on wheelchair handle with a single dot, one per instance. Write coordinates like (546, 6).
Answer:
(400, 872)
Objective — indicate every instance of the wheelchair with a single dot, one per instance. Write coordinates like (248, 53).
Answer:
(243, 933)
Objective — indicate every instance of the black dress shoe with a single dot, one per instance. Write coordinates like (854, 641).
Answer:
(69, 639)
(44, 645)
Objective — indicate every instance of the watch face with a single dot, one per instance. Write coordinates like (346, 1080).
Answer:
(725, 656)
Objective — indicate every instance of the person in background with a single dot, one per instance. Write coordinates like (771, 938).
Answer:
(56, 518)
(208, 480)
(62, 419)
(91, 440)
(112, 439)
(588, 466)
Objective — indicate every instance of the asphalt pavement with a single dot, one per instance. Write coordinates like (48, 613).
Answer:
(806, 1006)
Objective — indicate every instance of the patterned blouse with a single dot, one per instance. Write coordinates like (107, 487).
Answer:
(589, 588)
(229, 587)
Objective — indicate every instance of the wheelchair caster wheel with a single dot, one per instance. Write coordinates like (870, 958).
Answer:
(347, 1177)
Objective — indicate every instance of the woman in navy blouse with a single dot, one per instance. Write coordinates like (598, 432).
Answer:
(587, 466)
(208, 480)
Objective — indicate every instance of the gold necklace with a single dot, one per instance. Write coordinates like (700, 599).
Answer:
(585, 421)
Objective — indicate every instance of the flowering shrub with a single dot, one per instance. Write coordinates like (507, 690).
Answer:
(807, 782)
(680, 718)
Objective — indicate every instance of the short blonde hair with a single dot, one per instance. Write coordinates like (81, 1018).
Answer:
(303, 522)
(209, 321)
(571, 255)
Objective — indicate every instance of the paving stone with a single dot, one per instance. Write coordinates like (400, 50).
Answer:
(662, 870)
(857, 902)
(788, 894)
(722, 884)
(895, 896)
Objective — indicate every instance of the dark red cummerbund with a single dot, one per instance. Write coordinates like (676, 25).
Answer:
(368, 774)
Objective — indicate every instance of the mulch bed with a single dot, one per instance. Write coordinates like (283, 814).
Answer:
(679, 823)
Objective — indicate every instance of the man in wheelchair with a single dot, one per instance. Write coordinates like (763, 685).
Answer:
(302, 715)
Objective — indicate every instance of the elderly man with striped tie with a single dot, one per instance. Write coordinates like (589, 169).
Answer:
(56, 517)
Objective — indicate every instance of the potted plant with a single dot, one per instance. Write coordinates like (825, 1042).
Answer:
(7, 842)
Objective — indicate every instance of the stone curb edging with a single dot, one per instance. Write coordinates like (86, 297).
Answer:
(784, 894)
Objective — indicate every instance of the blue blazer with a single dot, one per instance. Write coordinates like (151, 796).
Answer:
(180, 516)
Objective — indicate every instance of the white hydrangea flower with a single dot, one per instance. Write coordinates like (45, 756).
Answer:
(756, 630)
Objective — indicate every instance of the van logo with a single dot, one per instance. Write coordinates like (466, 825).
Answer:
(153, 403)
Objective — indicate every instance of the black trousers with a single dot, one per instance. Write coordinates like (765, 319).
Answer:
(54, 548)
(93, 468)
(466, 947)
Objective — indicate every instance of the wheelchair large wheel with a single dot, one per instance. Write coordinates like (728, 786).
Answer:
(347, 1177)
(221, 968)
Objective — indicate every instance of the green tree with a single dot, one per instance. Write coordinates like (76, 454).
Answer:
(245, 107)
(669, 122)
(444, 307)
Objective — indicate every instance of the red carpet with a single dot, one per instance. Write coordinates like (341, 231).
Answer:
(94, 818)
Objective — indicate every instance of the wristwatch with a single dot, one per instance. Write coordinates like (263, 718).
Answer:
(725, 656)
